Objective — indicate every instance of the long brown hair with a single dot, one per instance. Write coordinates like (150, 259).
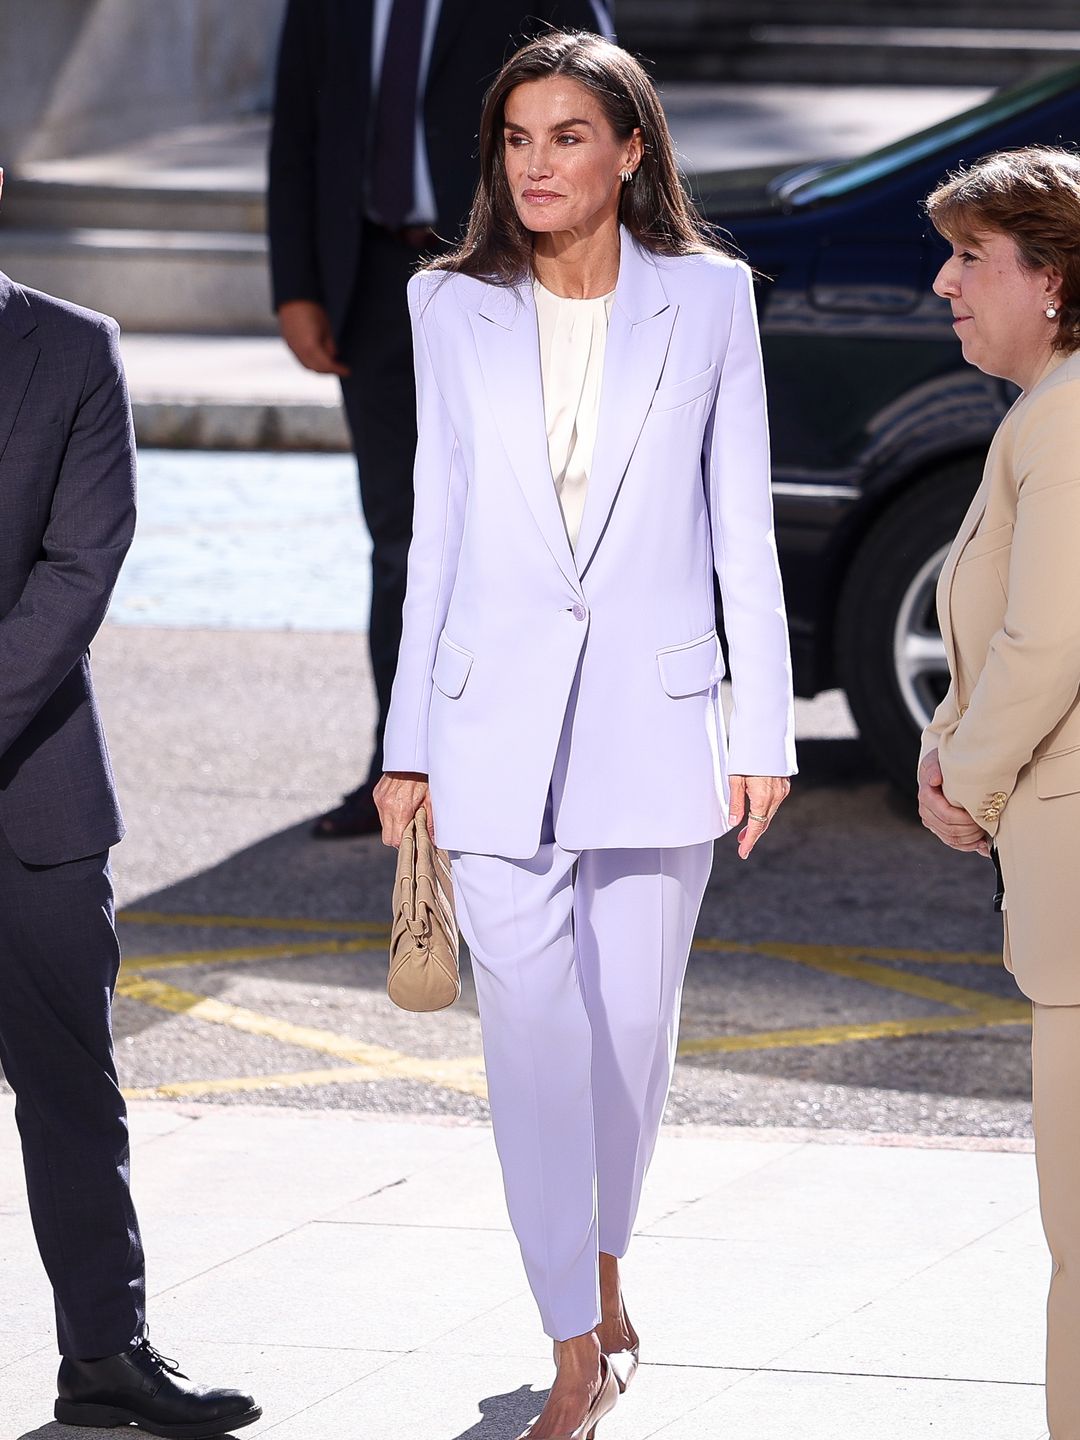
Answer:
(1033, 195)
(654, 206)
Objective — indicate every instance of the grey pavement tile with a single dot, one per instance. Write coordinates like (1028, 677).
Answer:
(369, 1287)
(463, 1190)
(877, 1199)
(450, 1397)
(688, 1167)
(26, 1306)
(289, 1166)
(979, 1314)
(843, 1407)
(467, 1189)
(284, 1380)
(709, 1303)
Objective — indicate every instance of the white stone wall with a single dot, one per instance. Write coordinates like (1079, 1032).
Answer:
(82, 75)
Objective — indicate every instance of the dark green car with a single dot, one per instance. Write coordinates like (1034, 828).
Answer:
(879, 427)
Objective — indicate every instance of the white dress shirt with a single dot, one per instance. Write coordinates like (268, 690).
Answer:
(573, 337)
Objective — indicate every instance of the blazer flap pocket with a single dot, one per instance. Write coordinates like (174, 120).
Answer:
(691, 668)
(1058, 774)
(667, 397)
(985, 542)
(452, 666)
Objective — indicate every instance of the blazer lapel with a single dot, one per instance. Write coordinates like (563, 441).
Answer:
(508, 347)
(18, 354)
(637, 344)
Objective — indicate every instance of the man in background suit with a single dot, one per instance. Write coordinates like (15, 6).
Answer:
(67, 514)
(372, 165)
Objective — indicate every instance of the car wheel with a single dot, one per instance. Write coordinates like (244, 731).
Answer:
(889, 652)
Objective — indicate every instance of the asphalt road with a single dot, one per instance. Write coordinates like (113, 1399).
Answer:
(845, 978)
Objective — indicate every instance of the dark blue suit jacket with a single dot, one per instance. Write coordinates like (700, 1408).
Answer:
(67, 516)
(322, 107)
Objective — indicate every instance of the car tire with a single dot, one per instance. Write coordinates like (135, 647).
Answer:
(889, 655)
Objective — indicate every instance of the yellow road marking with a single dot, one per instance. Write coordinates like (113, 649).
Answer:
(366, 1062)
(240, 1084)
(844, 1034)
(885, 978)
(784, 950)
(464, 1075)
(251, 922)
(181, 959)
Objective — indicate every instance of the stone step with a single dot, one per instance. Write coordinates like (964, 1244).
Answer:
(199, 177)
(59, 203)
(198, 392)
(213, 282)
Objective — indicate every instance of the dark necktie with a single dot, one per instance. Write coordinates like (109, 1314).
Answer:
(393, 135)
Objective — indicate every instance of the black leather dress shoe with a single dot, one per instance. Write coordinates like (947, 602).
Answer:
(140, 1387)
(356, 815)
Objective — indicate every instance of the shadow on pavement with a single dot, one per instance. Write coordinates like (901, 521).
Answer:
(505, 1413)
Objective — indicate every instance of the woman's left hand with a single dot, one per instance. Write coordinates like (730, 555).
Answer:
(764, 794)
(952, 826)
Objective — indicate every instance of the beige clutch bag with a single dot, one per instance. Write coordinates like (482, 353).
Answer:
(424, 936)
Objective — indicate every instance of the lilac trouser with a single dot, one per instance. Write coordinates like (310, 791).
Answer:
(579, 961)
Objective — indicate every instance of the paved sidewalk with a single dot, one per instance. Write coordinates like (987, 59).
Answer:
(358, 1273)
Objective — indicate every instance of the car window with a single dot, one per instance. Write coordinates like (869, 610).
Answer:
(828, 182)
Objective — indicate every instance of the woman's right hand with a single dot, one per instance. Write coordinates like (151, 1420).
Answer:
(398, 796)
(952, 826)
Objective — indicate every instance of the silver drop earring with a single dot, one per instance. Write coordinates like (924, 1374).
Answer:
(1051, 310)
(626, 176)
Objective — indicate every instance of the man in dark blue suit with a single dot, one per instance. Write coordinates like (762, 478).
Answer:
(372, 166)
(67, 515)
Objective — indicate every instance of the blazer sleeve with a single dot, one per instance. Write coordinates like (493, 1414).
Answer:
(89, 529)
(291, 197)
(762, 729)
(944, 718)
(439, 483)
(1031, 675)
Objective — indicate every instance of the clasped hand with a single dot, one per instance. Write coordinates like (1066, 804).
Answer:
(951, 824)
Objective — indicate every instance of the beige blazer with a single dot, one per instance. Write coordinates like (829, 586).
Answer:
(1008, 731)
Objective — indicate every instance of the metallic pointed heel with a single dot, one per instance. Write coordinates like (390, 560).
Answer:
(624, 1365)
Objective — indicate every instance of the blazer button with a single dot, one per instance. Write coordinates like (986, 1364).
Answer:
(578, 612)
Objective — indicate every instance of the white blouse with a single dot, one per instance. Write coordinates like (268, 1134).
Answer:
(573, 336)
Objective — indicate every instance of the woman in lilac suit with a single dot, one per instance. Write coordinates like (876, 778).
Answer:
(592, 448)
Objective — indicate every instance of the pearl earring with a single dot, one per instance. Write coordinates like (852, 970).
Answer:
(626, 176)
(1051, 310)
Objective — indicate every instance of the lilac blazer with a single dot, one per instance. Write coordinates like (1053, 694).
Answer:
(502, 620)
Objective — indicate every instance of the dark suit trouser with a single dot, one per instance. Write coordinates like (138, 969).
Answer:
(59, 959)
(380, 402)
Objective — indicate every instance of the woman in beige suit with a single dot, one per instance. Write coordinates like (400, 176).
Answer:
(1000, 766)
